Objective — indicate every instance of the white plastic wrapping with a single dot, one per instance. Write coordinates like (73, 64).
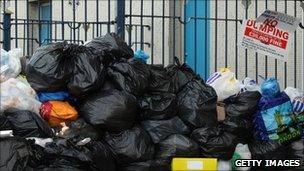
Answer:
(297, 99)
(19, 95)
(224, 83)
(249, 84)
(10, 64)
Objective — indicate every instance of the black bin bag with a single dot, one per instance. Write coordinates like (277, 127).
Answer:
(88, 71)
(239, 112)
(131, 76)
(215, 142)
(197, 105)
(27, 124)
(15, 154)
(66, 153)
(176, 145)
(49, 68)
(150, 165)
(110, 110)
(132, 145)
(172, 78)
(161, 129)
(110, 47)
(157, 106)
(4, 123)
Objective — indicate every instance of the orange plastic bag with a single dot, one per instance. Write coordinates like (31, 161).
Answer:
(56, 112)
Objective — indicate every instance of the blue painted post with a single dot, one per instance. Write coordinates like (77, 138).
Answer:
(120, 19)
(7, 31)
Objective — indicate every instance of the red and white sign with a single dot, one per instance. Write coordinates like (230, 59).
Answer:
(270, 37)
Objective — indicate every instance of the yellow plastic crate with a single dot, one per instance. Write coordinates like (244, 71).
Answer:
(194, 164)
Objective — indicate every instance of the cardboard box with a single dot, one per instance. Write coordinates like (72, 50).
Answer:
(221, 113)
(194, 164)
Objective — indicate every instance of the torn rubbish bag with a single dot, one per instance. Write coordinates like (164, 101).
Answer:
(131, 76)
(215, 142)
(158, 106)
(161, 129)
(88, 72)
(56, 112)
(110, 47)
(275, 120)
(176, 145)
(197, 105)
(79, 129)
(132, 145)
(27, 124)
(49, 67)
(110, 110)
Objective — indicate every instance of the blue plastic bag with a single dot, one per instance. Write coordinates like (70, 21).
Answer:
(141, 55)
(56, 96)
(270, 88)
(275, 120)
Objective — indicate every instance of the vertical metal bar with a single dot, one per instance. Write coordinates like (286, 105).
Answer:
(24, 24)
(62, 20)
(120, 26)
(302, 5)
(246, 51)
(78, 35)
(136, 38)
(32, 37)
(16, 24)
(295, 48)
(141, 25)
(6, 31)
(174, 6)
(39, 23)
(122, 3)
(266, 58)
(163, 34)
(256, 54)
(93, 30)
(74, 21)
(152, 33)
(97, 18)
(27, 27)
(215, 41)
(55, 31)
(226, 33)
(185, 32)
(86, 20)
(51, 20)
(130, 22)
(236, 38)
(285, 63)
(276, 61)
(195, 35)
(206, 48)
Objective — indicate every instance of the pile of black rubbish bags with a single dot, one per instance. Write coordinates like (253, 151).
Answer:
(131, 116)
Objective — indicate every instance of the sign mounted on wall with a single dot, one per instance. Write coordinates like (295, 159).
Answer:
(269, 34)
